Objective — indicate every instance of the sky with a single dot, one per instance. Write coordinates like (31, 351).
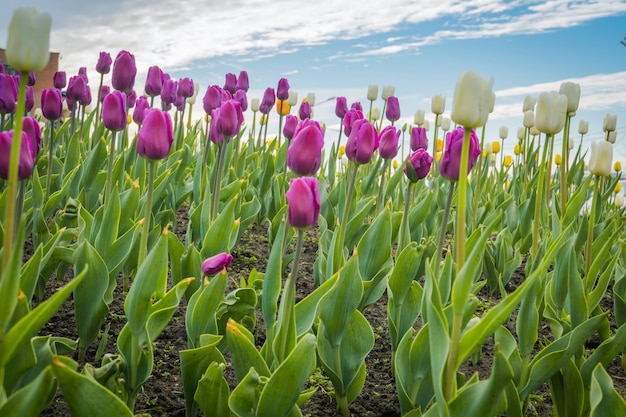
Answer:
(334, 48)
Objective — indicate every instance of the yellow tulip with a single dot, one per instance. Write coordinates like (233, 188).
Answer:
(618, 187)
(342, 151)
(495, 147)
(508, 160)
(517, 149)
(438, 156)
(617, 166)
(484, 153)
(129, 117)
(263, 120)
(285, 109)
(395, 164)
(558, 159)
(439, 145)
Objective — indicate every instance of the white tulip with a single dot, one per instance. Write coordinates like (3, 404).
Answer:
(601, 158)
(572, 92)
(28, 41)
(551, 111)
(438, 104)
(388, 91)
(473, 100)
(372, 92)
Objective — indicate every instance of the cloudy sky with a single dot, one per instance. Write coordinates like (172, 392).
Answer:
(334, 48)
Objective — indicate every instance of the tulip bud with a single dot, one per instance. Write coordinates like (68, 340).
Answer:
(619, 200)
(303, 202)
(243, 82)
(349, 119)
(28, 41)
(393, 109)
(450, 163)
(473, 100)
(124, 72)
(617, 166)
(292, 100)
(558, 159)
(534, 131)
(583, 127)
(570, 144)
(230, 84)
(212, 98)
(229, 119)
(51, 103)
(438, 145)
(521, 133)
(426, 125)
(104, 63)
(394, 164)
(216, 264)
(507, 161)
(291, 122)
(26, 161)
(282, 92)
(417, 165)
(154, 81)
(254, 104)
(192, 99)
(141, 107)
(372, 92)
(388, 91)
(310, 98)
(504, 132)
(611, 136)
(618, 187)
(388, 144)
(282, 107)
(155, 137)
(418, 138)
(572, 92)
(114, 111)
(445, 124)
(529, 103)
(529, 119)
(269, 98)
(362, 142)
(610, 122)
(304, 155)
(492, 158)
(418, 119)
(495, 147)
(59, 80)
(487, 149)
(375, 114)
(551, 111)
(341, 107)
(601, 158)
(438, 104)
(341, 152)
(304, 112)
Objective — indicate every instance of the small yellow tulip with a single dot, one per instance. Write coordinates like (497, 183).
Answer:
(438, 156)
(558, 159)
(439, 145)
(495, 147)
(395, 164)
(129, 118)
(618, 187)
(508, 160)
(617, 166)
(517, 149)
(263, 120)
(342, 151)
(285, 109)
(484, 153)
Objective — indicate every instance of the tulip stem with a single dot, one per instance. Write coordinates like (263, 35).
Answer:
(459, 233)
(592, 220)
(354, 167)
(402, 238)
(50, 160)
(11, 190)
(444, 227)
(539, 200)
(381, 188)
(217, 177)
(143, 246)
(107, 193)
(340, 131)
(564, 165)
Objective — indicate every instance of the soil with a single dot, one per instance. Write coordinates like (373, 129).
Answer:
(162, 394)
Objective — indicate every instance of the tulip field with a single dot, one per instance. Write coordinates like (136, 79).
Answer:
(157, 264)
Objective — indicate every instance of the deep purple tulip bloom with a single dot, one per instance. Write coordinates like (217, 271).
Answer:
(32, 129)
(103, 66)
(388, 144)
(269, 98)
(169, 92)
(230, 84)
(155, 136)
(229, 119)
(71, 105)
(51, 103)
(8, 100)
(82, 71)
(26, 161)
(30, 99)
(124, 71)
(417, 165)
(351, 116)
(185, 87)
(282, 92)
(305, 110)
(242, 82)
(216, 264)
(32, 79)
(141, 106)
(85, 99)
(59, 79)
(154, 81)
(214, 135)
(362, 142)
(418, 138)
(131, 99)
(341, 107)
(304, 155)
(291, 122)
(393, 109)
(212, 98)
(76, 88)
(356, 106)
(105, 91)
(114, 111)
(242, 98)
(449, 166)
(303, 201)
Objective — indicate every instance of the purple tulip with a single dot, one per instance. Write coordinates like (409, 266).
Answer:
(51, 103)
(388, 145)
(216, 264)
(282, 92)
(185, 87)
(105, 91)
(303, 199)
(155, 136)
(393, 109)
(76, 88)
(114, 111)
(32, 79)
(169, 92)
(82, 71)
(449, 165)
(124, 71)
(362, 142)
(242, 98)
(417, 165)
(85, 99)
(214, 135)
(32, 129)
(7, 94)
(179, 103)
(242, 82)
(229, 119)
(291, 122)
(26, 161)
(351, 116)
(305, 110)
(341, 107)
(141, 106)
(231, 83)
(30, 99)
(418, 138)
(71, 106)
(356, 106)
(212, 98)
(154, 81)
(131, 99)
(104, 63)
(304, 154)
(59, 79)
(269, 98)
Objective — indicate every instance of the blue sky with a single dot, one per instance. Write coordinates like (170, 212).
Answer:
(334, 49)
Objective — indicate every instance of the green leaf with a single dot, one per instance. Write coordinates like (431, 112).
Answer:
(243, 352)
(245, 397)
(604, 400)
(213, 392)
(202, 307)
(31, 399)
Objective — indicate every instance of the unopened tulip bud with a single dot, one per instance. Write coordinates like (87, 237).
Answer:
(521, 133)
(292, 99)
(395, 164)
(372, 92)
(558, 159)
(426, 125)
(572, 92)
(610, 122)
(254, 104)
(492, 158)
(418, 119)
(216, 264)
(303, 202)
(601, 158)
(529, 103)
(375, 115)
(445, 124)
(618, 187)
(551, 111)
(507, 161)
(517, 149)
(570, 144)
(155, 136)
(619, 200)
(282, 91)
(28, 41)
(488, 148)
(583, 127)
(310, 98)
(388, 91)
(529, 119)
(438, 145)
(617, 166)
(304, 155)
(473, 100)
(612, 136)
(495, 147)
(504, 132)
(393, 109)
(534, 131)
(438, 104)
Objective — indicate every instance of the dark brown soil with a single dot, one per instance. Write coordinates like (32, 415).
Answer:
(162, 394)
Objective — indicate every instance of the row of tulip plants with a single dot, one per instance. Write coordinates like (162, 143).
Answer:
(99, 202)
